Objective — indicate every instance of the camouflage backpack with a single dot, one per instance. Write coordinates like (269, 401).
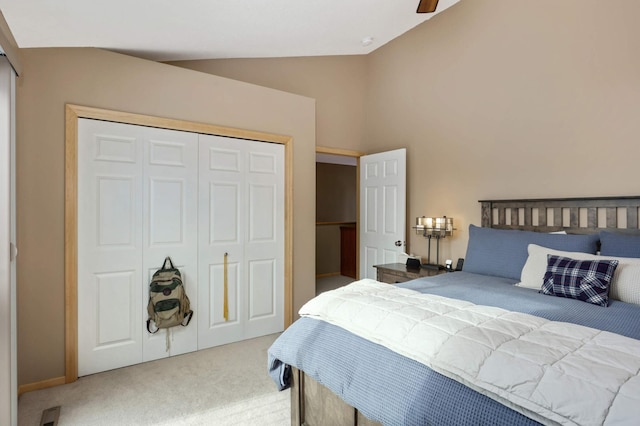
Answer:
(168, 302)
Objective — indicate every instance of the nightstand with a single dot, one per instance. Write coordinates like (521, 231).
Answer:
(393, 273)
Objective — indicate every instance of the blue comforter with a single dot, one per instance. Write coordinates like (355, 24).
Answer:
(395, 390)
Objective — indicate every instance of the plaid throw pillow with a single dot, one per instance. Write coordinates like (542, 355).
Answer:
(586, 280)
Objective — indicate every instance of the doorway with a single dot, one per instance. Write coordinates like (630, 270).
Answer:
(337, 212)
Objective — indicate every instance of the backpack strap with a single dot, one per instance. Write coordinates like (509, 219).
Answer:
(164, 265)
(149, 327)
(188, 318)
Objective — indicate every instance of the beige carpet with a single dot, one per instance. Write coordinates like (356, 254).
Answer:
(226, 385)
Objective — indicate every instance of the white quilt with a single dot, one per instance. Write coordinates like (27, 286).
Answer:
(552, 372)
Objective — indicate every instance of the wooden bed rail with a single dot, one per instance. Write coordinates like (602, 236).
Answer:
(574, 215)
(314, 405)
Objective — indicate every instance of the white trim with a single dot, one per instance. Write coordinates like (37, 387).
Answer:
(8, 365)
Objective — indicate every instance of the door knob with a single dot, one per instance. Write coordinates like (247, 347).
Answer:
(398, 243)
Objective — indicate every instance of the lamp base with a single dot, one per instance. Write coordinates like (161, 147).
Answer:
(432, 266)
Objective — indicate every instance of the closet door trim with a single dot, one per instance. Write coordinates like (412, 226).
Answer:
(72, 114)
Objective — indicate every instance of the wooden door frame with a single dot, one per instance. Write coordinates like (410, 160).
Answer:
(356, 155)
(72, 114)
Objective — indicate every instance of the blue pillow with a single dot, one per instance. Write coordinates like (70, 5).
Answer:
(503, 252)
(586, 280)
(612, 244)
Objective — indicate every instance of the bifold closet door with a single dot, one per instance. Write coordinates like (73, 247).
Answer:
(241, 213)
(170, 228)
(137, 203)
(146, 193)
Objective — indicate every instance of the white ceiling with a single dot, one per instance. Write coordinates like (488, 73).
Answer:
(164, 30)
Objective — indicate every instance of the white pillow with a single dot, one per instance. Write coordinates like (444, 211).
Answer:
(625, 285)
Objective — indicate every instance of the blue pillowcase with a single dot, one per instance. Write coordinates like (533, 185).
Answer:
(612, 244)
(503, 252)
(586, 280)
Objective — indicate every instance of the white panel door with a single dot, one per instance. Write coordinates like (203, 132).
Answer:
(382, 209)
(264, 244)
(221, 230)
(170, 211)
(110, 230)
(241, 214)
(137, 201)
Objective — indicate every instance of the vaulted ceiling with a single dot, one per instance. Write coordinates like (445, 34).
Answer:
(166, 30)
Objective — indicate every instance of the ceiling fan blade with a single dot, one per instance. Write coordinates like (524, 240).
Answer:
(427, 6)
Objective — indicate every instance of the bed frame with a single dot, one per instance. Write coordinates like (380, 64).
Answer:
(573, 215)
(314, 405)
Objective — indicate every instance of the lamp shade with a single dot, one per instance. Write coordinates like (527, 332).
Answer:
(435, 226)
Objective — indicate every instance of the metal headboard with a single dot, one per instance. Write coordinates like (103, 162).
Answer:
(573, 215)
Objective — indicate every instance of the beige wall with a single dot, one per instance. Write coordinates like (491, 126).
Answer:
(336, 192)
(492, 99)
(337, 83)
(510, 99)
(91, 77)
(327, 250)
(335, 202)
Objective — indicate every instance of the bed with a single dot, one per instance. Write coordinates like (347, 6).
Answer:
(369, 353)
